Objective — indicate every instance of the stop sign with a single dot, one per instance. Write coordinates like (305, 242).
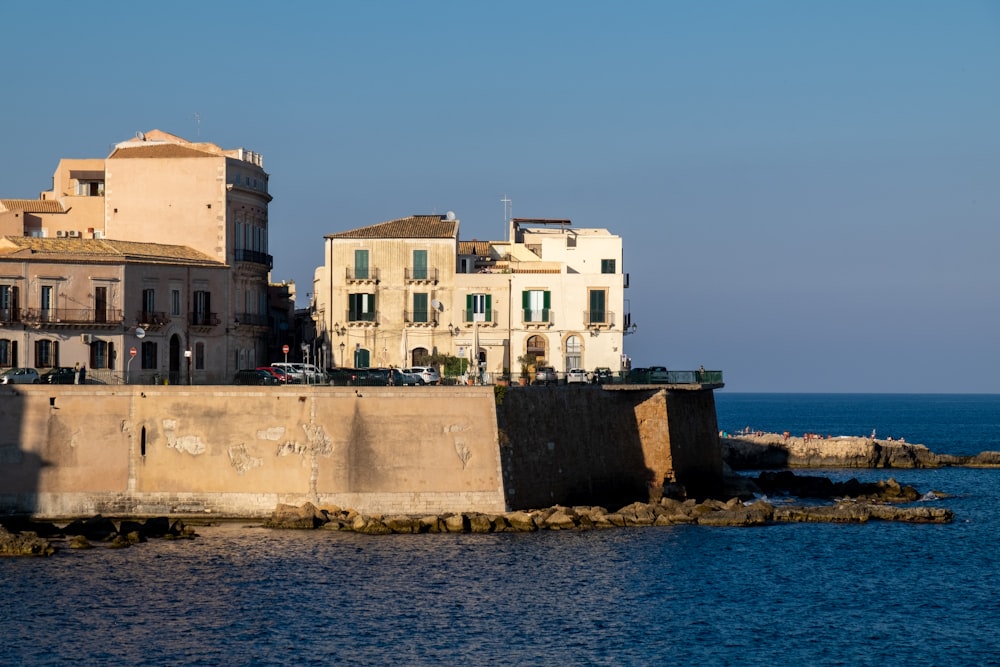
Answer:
(131, 352)
(284, 349)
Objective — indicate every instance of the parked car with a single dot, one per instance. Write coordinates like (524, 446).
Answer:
(19, 376)
(638, 376)
(577, 376)
(428, 374)
(402, 378)
(283, 375)
(60, 375)
(342, 377)
(373, 377)
(602, 375)
(255, 376)
(658, 375)
(306, 373)
(546, 375)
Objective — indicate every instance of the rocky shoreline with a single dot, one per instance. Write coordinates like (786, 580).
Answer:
(25, 537)
(777, 450)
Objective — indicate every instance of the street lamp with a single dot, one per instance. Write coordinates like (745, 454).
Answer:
(631, 329)
(342, 355)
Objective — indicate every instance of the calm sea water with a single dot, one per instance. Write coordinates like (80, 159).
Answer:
(779, 595)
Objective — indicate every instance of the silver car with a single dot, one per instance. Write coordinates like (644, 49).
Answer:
(19, 376)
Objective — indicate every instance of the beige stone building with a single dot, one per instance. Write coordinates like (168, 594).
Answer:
(158, 188)
(396, 292)
(69, 301)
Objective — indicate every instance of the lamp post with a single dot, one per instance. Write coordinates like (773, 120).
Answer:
(342, 346)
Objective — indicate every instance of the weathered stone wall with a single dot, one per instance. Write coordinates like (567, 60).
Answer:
(238, 452)
(590, 445)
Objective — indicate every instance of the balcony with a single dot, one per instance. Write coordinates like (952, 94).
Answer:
(70, 317)
(252, 319)
(8, 315)
(362, 275)
(255, 257)
(420, 274)
(203, 319)
(598, 319)
(355, 319)
(152, 319)
(485, 319)
(420, 318)
(541, 318)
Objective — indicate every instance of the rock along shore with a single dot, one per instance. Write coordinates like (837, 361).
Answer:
(24, 537)
(776, 450)
(666, 512)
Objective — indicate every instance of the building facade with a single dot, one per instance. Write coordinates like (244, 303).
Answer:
(397, 292)
(159, 188)
(93, 302)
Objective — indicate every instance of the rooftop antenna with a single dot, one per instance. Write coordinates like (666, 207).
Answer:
(197, 123)
(508, 205)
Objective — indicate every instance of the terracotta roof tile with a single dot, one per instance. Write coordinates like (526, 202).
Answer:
(32, 205)
(163, 150)
(413, 227)
(104, 250)
(481, 248)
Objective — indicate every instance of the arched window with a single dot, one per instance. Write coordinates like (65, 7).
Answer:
(419, 356)
(536, 347)
(574, 352)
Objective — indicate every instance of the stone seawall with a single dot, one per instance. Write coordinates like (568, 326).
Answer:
(237, 452)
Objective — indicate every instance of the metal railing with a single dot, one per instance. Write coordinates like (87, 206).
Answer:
(254, 256)
(154, 317)
(204, 319)
(362, 274)
(420, 274)
(71, 316)
(537, 316)
(420, 317)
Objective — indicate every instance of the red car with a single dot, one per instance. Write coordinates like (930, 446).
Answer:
(279, 373)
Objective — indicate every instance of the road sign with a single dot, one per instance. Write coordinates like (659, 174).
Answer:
(131, 352)
(284, 349)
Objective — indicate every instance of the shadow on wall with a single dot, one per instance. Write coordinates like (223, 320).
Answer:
(572, 446)
(20, 468)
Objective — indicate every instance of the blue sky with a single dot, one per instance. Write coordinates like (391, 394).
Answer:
(808, 192)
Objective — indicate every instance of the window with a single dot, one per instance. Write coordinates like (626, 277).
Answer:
(46, 303)
(607, 266)
(420, 265)
(8, 352)
(148, 302)
(149, 356)
(420, 313)
(597, 314)
(202, 307)
(175, 302)
(100, 304)
(102, 354)
(361, 265)
(574, 352)
(478, 308)
(199, 356)
(46, 353)
(536, 305)
(9, 306)
(361, 307)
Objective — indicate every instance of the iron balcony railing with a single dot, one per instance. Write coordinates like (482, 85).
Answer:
(254, 256)
(252, 319)
(71, 316)
(152, 317)
(599, 318)
(203, 319)
(469, 317)
(416, 274)
(537, 316)
(362, 274)
(420, 317)
(362, 317)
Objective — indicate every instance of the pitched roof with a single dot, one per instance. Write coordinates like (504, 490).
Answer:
(157, 149)
(102, 250)
(481, 248)
(32, 205)
(413, 227)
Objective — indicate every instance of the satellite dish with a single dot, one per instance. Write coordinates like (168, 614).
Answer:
(437, 304)
(140, 136)
(140, 332)
(450, 216)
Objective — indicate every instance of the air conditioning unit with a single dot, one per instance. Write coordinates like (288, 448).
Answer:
(60, 234)
(87, 338)
(73, 234)
(98, 234)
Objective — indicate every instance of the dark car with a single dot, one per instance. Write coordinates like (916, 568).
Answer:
(255, 376)
(404, 379)
(602, 375)
(342, 377)
(61, 375)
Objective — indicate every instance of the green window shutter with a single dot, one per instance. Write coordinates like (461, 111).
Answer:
(546, 299)
(361, 264)
(420, 307)
(525, 299)
(468, 307)
(420, 265)
(489, 307)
